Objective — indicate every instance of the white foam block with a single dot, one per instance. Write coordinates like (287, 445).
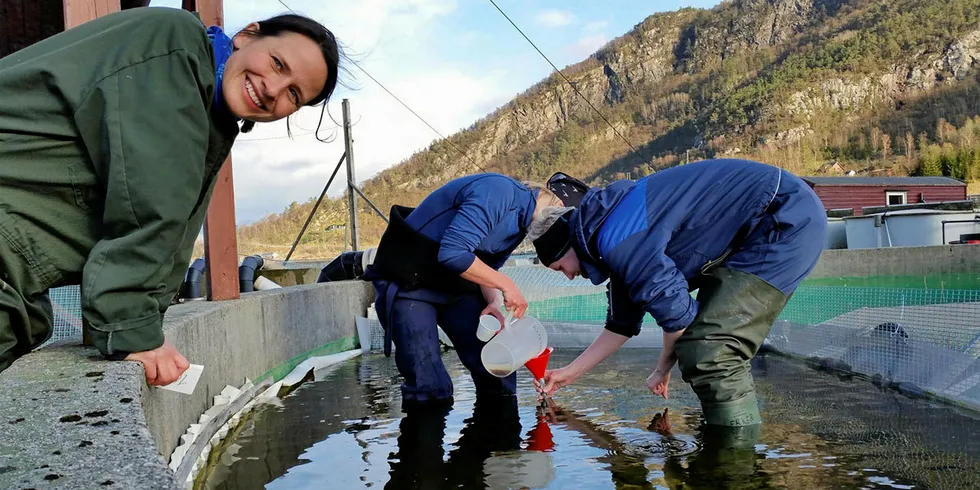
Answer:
(186, 382)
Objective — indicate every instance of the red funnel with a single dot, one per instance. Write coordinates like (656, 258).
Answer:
(539, 364)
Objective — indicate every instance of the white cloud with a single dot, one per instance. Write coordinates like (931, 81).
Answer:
(554, 18)
(280, 171)
(596, 26)
(586, 45)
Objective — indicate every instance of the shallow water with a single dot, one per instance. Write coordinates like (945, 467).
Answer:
(346, 430)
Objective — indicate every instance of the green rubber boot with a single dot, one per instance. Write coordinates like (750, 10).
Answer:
(736, 312)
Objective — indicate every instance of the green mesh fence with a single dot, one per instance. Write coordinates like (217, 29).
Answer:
(914, 333)
(67, 308)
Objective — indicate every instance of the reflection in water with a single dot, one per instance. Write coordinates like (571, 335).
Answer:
(345, 430)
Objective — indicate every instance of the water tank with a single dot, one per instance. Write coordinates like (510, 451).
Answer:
(861, 232)
(913, 228)
(836, 234)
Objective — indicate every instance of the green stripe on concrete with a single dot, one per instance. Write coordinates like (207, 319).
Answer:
(335, 347)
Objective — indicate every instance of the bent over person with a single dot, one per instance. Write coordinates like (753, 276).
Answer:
(742, 233)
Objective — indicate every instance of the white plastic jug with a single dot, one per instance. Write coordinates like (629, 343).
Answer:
(518, 342)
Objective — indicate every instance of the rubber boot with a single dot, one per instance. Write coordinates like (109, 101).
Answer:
(736, 312)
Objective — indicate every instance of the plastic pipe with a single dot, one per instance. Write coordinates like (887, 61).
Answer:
(246, 272)
(191, 289)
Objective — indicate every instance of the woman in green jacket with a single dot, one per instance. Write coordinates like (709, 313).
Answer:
(111, 136)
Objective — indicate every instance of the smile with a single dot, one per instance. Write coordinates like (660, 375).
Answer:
(252, 95)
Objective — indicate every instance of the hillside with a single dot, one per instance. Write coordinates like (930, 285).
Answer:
(880, 86)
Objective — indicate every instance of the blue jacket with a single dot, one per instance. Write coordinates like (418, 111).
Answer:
(487, 212)
(652, 238)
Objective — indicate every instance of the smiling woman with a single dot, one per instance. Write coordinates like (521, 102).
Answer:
(111, 137)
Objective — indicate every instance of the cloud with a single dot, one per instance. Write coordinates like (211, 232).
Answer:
(596, 26)
(554, 18)
(279, 171)
(586, 45)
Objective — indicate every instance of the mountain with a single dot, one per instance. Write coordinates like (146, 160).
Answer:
(879, 86)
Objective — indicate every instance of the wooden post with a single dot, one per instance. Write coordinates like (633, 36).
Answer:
(220, 239)
(78, 12)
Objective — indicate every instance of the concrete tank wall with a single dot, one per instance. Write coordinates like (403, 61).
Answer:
(76, 420)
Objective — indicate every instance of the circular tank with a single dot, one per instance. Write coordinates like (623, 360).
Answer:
(861, 232)
(836, 234)
(915, 228)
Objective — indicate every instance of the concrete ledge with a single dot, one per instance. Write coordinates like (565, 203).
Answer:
(898, 261)
(72, 420)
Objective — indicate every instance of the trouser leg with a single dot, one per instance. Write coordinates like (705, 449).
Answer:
(24, 323)
(460, 320)
(417, 352)
(737, 311)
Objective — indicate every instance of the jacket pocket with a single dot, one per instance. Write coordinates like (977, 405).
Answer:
(712, 263)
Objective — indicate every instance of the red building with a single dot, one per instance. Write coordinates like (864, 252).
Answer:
(860, 192)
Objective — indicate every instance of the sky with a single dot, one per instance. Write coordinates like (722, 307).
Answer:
(451, 61)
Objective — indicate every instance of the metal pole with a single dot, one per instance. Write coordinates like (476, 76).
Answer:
(375, 208)
(315, 206)
(351, 195)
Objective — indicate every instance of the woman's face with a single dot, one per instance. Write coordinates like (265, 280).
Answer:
(268, 78)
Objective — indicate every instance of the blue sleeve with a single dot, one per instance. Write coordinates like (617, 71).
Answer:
(623, 316)
(654, 282)
(479, 207)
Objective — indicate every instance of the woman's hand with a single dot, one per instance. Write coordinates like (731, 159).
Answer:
(494, 303)
(555, 379)
(658, 381)
(494, 309)
(162, 365)
(514, 300)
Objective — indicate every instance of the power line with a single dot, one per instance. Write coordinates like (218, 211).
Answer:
(375, 80)
(275, 137)
(570, 84)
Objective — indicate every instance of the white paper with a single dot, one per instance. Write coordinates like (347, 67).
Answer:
(186, 382)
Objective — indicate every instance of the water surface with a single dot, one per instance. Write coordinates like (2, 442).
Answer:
(346, 430)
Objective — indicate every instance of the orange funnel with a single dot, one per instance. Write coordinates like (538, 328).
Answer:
(539, 364)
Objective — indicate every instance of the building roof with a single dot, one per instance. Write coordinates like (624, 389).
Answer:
(882, 181)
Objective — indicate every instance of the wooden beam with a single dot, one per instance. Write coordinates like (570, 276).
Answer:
(78, 12)
(220, 239)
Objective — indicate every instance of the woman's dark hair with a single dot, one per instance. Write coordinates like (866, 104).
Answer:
(313, 30)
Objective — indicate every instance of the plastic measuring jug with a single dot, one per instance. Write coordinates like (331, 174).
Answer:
(518, 342)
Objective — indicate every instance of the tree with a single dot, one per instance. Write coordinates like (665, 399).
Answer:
(876, 135)
(886, 146)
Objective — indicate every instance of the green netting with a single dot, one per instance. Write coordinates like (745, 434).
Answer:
(910, 331)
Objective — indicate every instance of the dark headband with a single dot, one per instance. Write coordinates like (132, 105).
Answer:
(569, 189)
(553, 244)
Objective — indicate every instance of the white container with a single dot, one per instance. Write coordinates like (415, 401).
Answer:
(517, 343)
(489, 325)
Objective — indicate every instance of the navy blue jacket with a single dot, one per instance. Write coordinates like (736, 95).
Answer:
(652, 238)
(487, 212)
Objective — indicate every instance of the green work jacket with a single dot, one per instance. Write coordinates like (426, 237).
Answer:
(109, 151)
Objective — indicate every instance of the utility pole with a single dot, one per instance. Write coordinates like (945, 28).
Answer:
(351, 193)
